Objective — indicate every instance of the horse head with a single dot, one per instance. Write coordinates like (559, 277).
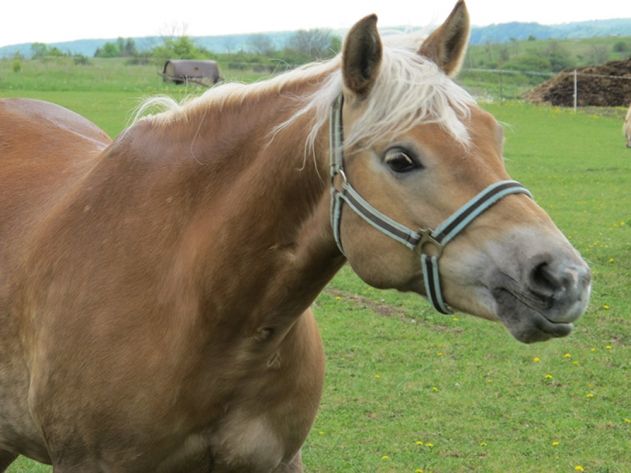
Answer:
(416, 156)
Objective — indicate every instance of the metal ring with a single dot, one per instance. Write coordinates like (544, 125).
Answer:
(340, 172)
(428, 240)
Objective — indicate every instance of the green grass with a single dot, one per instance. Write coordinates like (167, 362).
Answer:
(401, 377)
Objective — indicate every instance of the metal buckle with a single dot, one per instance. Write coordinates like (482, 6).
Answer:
(427, 240)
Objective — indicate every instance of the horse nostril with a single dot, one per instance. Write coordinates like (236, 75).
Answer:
(544, 281)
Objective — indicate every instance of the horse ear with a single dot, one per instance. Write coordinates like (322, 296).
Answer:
(447, 45)
(361, 56)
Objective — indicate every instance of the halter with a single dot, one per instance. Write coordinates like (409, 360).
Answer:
(427, 243)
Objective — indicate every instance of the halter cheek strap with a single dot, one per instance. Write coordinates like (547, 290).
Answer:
(427, 243)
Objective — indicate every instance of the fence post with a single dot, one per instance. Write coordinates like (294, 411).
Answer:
(575, 90)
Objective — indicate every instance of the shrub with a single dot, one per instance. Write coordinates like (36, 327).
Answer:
(81, 60)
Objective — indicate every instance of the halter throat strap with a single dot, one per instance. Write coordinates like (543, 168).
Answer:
(427, 243)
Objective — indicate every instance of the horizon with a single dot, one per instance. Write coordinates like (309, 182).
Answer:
(247, 33)
(160, 18)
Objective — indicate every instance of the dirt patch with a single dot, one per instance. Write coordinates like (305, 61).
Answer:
(608, 85)
(387, 310)
(377, 307)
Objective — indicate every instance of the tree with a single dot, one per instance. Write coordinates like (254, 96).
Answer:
(598, 54)
(559, 57)
(314, 44)
(121, 48)
(108, 50)
(129, 49)
(261, 44)
(181, 47)
(41, 50)
(504, 53)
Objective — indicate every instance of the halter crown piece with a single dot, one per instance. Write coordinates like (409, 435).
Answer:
(418, 241)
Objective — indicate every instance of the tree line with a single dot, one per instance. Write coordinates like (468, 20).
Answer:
(545, 55)
(302, 46)
(261, 52)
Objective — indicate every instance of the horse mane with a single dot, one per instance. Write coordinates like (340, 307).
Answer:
(409, 90)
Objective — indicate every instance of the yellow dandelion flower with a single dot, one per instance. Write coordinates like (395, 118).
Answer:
(419, 470)
(429, 444)
(609, 347)
(536, 359)
(579, 468)
(593, 350)
(606, 306)
(419, 442)
(482, 444)
(435, 389)
(548, 376)
(555, 443)
(589, 395)
(567, 355)
(385, 458)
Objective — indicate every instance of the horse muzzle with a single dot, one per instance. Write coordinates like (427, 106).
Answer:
(543, 302)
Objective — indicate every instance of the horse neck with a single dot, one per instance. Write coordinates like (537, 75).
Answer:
(267, 206)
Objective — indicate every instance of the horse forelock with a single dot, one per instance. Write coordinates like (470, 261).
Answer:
(409, 91)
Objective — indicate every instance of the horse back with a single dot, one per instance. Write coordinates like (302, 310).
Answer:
(30, 118)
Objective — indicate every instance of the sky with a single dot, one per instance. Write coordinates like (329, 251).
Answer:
(26, 21)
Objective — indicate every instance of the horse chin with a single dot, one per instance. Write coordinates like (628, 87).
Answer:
(524, 322)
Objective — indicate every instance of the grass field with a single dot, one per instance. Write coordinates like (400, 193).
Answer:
(410, 390)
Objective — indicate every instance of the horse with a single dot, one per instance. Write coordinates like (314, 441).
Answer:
(626, 129)
(155, 290)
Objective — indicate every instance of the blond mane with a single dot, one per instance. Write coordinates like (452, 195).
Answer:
(410, 90)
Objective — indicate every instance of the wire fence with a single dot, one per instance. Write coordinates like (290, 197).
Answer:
(503, 84)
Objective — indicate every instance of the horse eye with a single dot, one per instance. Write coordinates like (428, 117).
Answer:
(400, 161)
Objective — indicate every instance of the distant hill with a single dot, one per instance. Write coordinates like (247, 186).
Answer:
(505, 32)
(218, 44)
(500, 33)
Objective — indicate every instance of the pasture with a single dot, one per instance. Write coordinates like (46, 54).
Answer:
(410, 390)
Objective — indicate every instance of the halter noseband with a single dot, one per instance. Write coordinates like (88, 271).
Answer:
(418, 241)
